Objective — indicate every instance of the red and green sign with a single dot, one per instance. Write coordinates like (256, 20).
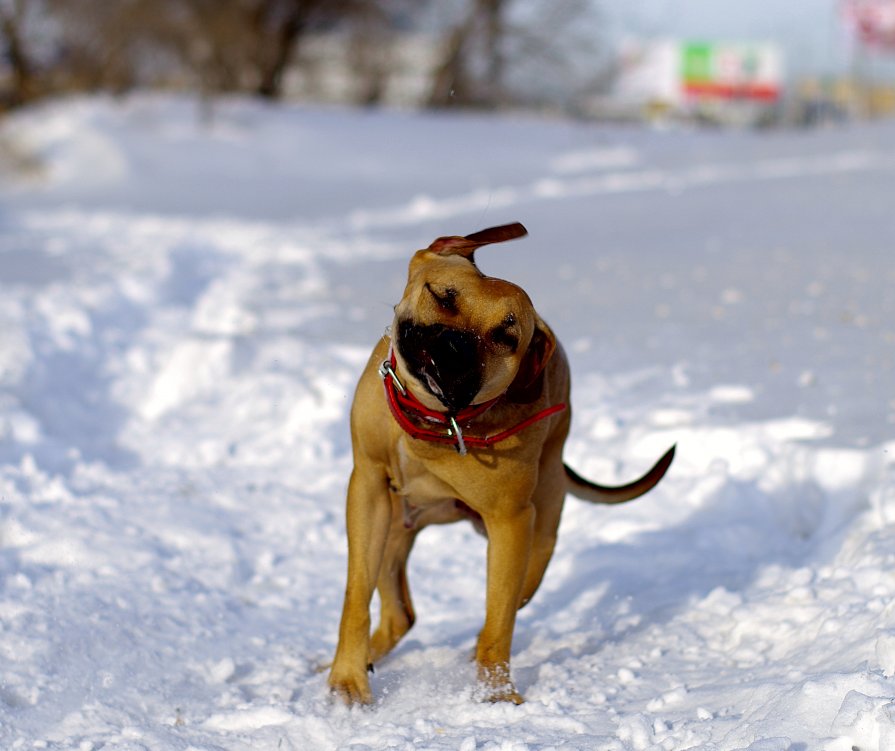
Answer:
(730, 71)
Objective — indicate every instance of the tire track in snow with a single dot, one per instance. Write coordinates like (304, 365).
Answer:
(425, 208)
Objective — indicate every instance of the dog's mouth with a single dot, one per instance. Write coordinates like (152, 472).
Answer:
(430, 381)
(445, 360)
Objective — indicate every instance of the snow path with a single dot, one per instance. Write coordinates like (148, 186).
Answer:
(185, 307)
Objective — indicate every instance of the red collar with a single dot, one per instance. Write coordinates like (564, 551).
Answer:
(403, 405)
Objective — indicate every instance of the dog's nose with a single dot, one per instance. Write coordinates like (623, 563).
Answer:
(457, 365)
(445, 359)
(456, 346)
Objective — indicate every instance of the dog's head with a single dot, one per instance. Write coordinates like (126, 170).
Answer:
(464, 338)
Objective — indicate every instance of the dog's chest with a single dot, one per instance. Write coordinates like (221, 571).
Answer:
(413, 480)
(423, 498)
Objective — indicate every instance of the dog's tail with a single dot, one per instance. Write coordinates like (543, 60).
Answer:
(590, 491)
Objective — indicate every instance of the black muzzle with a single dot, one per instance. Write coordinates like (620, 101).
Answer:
(445, 360)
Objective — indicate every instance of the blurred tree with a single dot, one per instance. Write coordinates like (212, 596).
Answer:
(13, 21)
(498, 52)
(248, 45)
(278, 26)
(492, 52)
(558, 53)
(217, 45)
(454, 82)
(101, 45)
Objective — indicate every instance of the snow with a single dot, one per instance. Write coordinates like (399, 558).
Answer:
(186, 300)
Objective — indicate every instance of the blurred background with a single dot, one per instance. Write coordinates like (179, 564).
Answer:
(743, 63)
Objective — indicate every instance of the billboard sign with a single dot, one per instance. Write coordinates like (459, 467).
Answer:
(680, 74)
(739, 71)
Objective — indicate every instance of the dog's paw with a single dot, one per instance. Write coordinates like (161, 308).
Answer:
(505, 694)
(495, 685)
(352, 690)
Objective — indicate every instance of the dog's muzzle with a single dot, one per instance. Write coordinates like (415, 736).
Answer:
(445, 360)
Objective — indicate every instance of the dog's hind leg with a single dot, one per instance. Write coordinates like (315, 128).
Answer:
(548, 502)
(397, 616)
(546, 523)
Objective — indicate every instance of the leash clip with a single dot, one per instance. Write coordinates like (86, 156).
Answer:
(458, 434)
(387, 371)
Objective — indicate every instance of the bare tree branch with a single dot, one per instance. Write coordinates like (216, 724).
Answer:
(12, 20)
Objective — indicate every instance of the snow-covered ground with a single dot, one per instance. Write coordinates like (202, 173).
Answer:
(186, 300)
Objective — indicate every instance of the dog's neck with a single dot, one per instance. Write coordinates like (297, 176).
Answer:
(408, 411)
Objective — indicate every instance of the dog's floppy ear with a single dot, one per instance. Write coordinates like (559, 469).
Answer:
(466, 246)
(526, 386)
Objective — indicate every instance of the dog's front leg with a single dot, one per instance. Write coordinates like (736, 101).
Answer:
(509, 546)
(368, 516)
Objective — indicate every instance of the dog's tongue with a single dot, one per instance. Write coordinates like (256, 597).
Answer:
(433, 385)
(430, 373)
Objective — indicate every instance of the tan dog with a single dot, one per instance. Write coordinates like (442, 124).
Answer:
(463, 415)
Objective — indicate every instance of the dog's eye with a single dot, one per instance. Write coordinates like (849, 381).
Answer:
(504, 336)
(446, 298)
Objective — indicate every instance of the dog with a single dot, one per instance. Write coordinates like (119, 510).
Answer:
(461, 413)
